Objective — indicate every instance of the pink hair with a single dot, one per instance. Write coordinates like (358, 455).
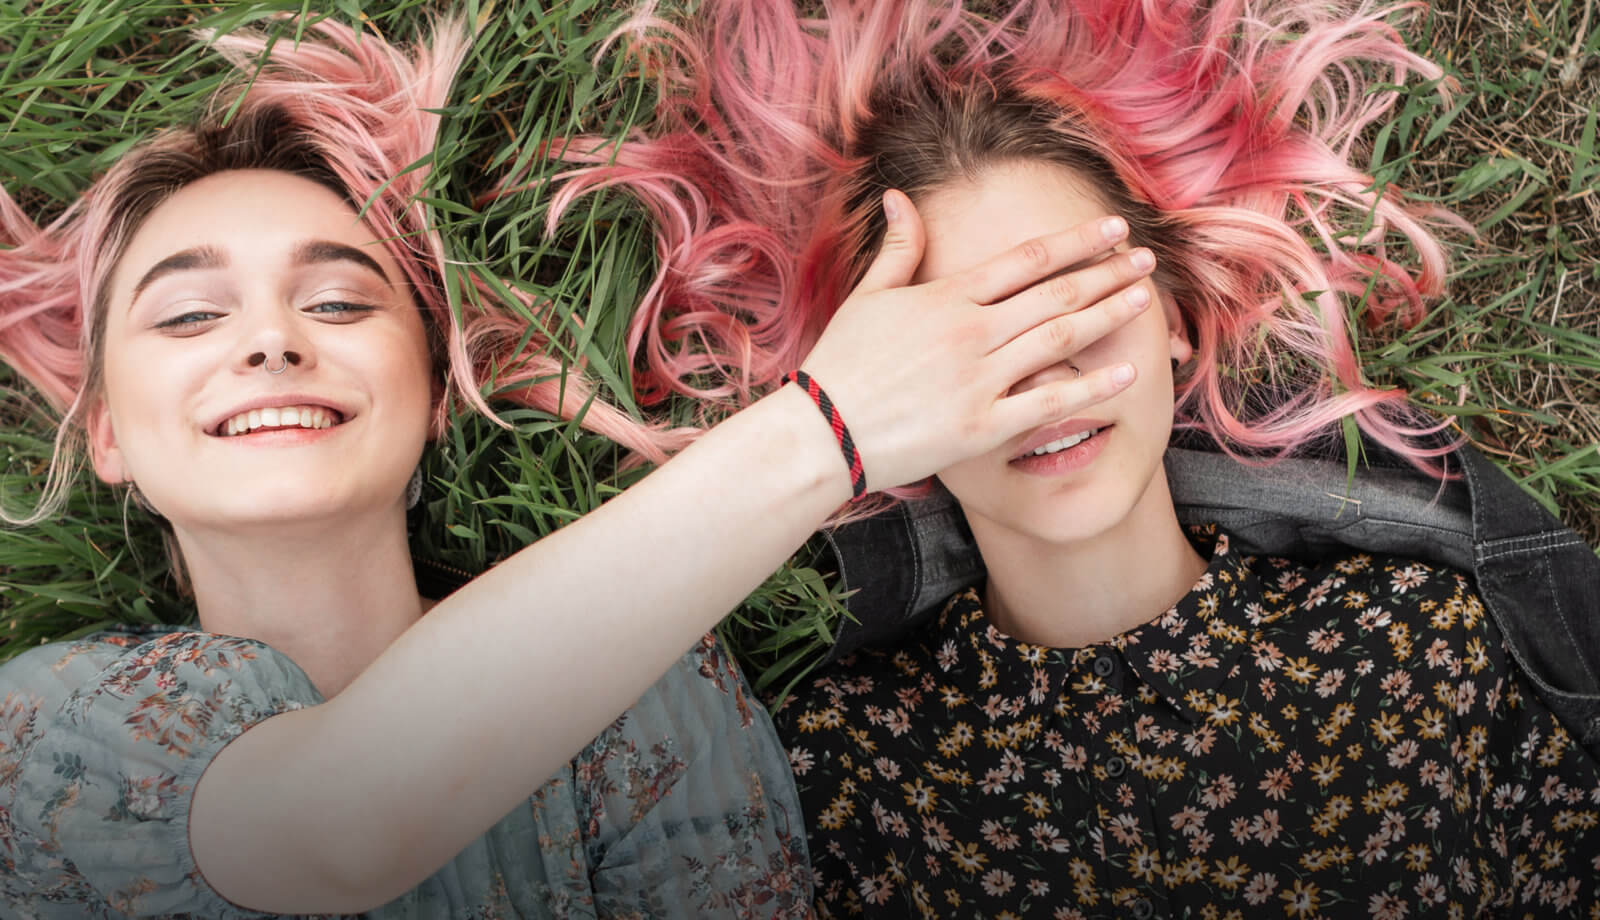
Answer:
(348, 110)
(1225, 145)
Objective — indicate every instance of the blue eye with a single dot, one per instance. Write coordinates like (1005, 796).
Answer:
(339, 308)
(186, 321)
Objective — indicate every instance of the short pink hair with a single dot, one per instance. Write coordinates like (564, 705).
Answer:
(344, 109)
(1223, 130)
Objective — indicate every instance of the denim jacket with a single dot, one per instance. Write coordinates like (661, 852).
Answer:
(1539, 580)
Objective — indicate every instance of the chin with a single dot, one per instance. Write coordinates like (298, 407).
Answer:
(1064, 524)
(276, 508)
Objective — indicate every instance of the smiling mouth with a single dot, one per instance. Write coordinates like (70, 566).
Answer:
(1071, 440)
(278, 419)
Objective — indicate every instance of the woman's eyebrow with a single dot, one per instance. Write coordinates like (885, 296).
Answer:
(313, 252)
(186, 260)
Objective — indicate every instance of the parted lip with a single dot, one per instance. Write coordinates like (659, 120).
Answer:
(278, 401)
(1056, 432)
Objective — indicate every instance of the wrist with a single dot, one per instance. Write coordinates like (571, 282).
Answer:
(809, 446)
(841, 431)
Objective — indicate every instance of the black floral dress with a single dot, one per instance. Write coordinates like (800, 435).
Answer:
(1345, 739)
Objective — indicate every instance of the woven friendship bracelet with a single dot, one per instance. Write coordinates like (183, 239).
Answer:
(852, 457)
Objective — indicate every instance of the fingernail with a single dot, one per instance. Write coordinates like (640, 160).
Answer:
(1122, 375)
(1143, 259)
(1137, 297)
(891, 207)
(1113, 227)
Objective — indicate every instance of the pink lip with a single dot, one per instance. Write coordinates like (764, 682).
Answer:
(276, 400)
(282, 436)
(1070, 460)
(1056, 432)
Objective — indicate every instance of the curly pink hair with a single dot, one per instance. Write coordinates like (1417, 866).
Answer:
(342, 108)
(1224, 131)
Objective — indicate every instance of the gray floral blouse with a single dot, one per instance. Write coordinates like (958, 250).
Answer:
(684, 807)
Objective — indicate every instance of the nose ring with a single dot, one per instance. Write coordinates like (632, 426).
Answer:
(288, 358)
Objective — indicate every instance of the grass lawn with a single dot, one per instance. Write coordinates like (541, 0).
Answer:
(1513, 355)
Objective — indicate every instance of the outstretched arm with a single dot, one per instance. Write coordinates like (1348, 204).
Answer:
(344, 806)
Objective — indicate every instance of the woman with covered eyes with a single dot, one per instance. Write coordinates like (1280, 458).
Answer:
(1128, 717)
(226, 336)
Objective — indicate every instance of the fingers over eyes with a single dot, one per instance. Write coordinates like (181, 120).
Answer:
(1058, 338)
(1109, 281)
(1028, 263)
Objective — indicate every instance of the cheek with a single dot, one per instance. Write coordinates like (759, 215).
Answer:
(142, 387)
(403, 372)
(967, 479)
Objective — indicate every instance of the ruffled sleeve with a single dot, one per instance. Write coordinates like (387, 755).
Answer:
(101, 744)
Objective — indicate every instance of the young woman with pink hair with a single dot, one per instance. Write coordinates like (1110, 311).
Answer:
(246, 323)
(1128, 717)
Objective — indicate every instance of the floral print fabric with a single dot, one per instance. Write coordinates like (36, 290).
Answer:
(681, 808)
(1345, 739)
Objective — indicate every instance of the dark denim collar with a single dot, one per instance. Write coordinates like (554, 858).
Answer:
(1538, 579)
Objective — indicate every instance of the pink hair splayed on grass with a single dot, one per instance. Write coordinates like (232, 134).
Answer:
(1224, 132)
(348, 110)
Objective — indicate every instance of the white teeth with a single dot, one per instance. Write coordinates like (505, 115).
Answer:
(1064, 443)
(279, 417)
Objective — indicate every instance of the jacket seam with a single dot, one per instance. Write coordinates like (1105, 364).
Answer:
(1510, 546)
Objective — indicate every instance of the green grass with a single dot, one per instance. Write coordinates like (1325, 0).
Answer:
(1514, 355)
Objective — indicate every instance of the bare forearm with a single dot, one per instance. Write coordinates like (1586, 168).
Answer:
(570, 631)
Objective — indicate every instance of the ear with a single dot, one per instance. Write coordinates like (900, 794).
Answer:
(104, 454)
(1177, 330)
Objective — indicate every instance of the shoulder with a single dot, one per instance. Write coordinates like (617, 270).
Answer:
(102, 741)
(148, 669)
(1372, 591)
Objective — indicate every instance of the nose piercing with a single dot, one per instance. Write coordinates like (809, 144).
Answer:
(259, 359)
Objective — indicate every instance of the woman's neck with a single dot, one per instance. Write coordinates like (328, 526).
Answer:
(331, 595)
(1077, 594)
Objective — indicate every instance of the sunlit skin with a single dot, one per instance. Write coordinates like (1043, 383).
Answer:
(296, 536)
(1086, 544)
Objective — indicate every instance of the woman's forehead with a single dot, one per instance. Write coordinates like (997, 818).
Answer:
(256, 217)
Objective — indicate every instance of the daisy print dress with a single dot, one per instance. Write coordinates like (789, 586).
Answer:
(1347, 739)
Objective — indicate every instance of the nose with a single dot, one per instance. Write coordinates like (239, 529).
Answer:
(272, 341)
(260, 358)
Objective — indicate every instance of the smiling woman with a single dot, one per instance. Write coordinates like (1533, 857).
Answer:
(242, 271)
(248, 324)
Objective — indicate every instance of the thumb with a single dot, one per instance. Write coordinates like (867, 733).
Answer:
(903, 241)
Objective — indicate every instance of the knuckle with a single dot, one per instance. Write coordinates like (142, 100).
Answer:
(1061, 334)
(980, 278)
(1035, 254)
(1052, 402)
(1061, 290)
(960, 336)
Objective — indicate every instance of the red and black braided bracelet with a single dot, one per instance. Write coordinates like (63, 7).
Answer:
(852, 457)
